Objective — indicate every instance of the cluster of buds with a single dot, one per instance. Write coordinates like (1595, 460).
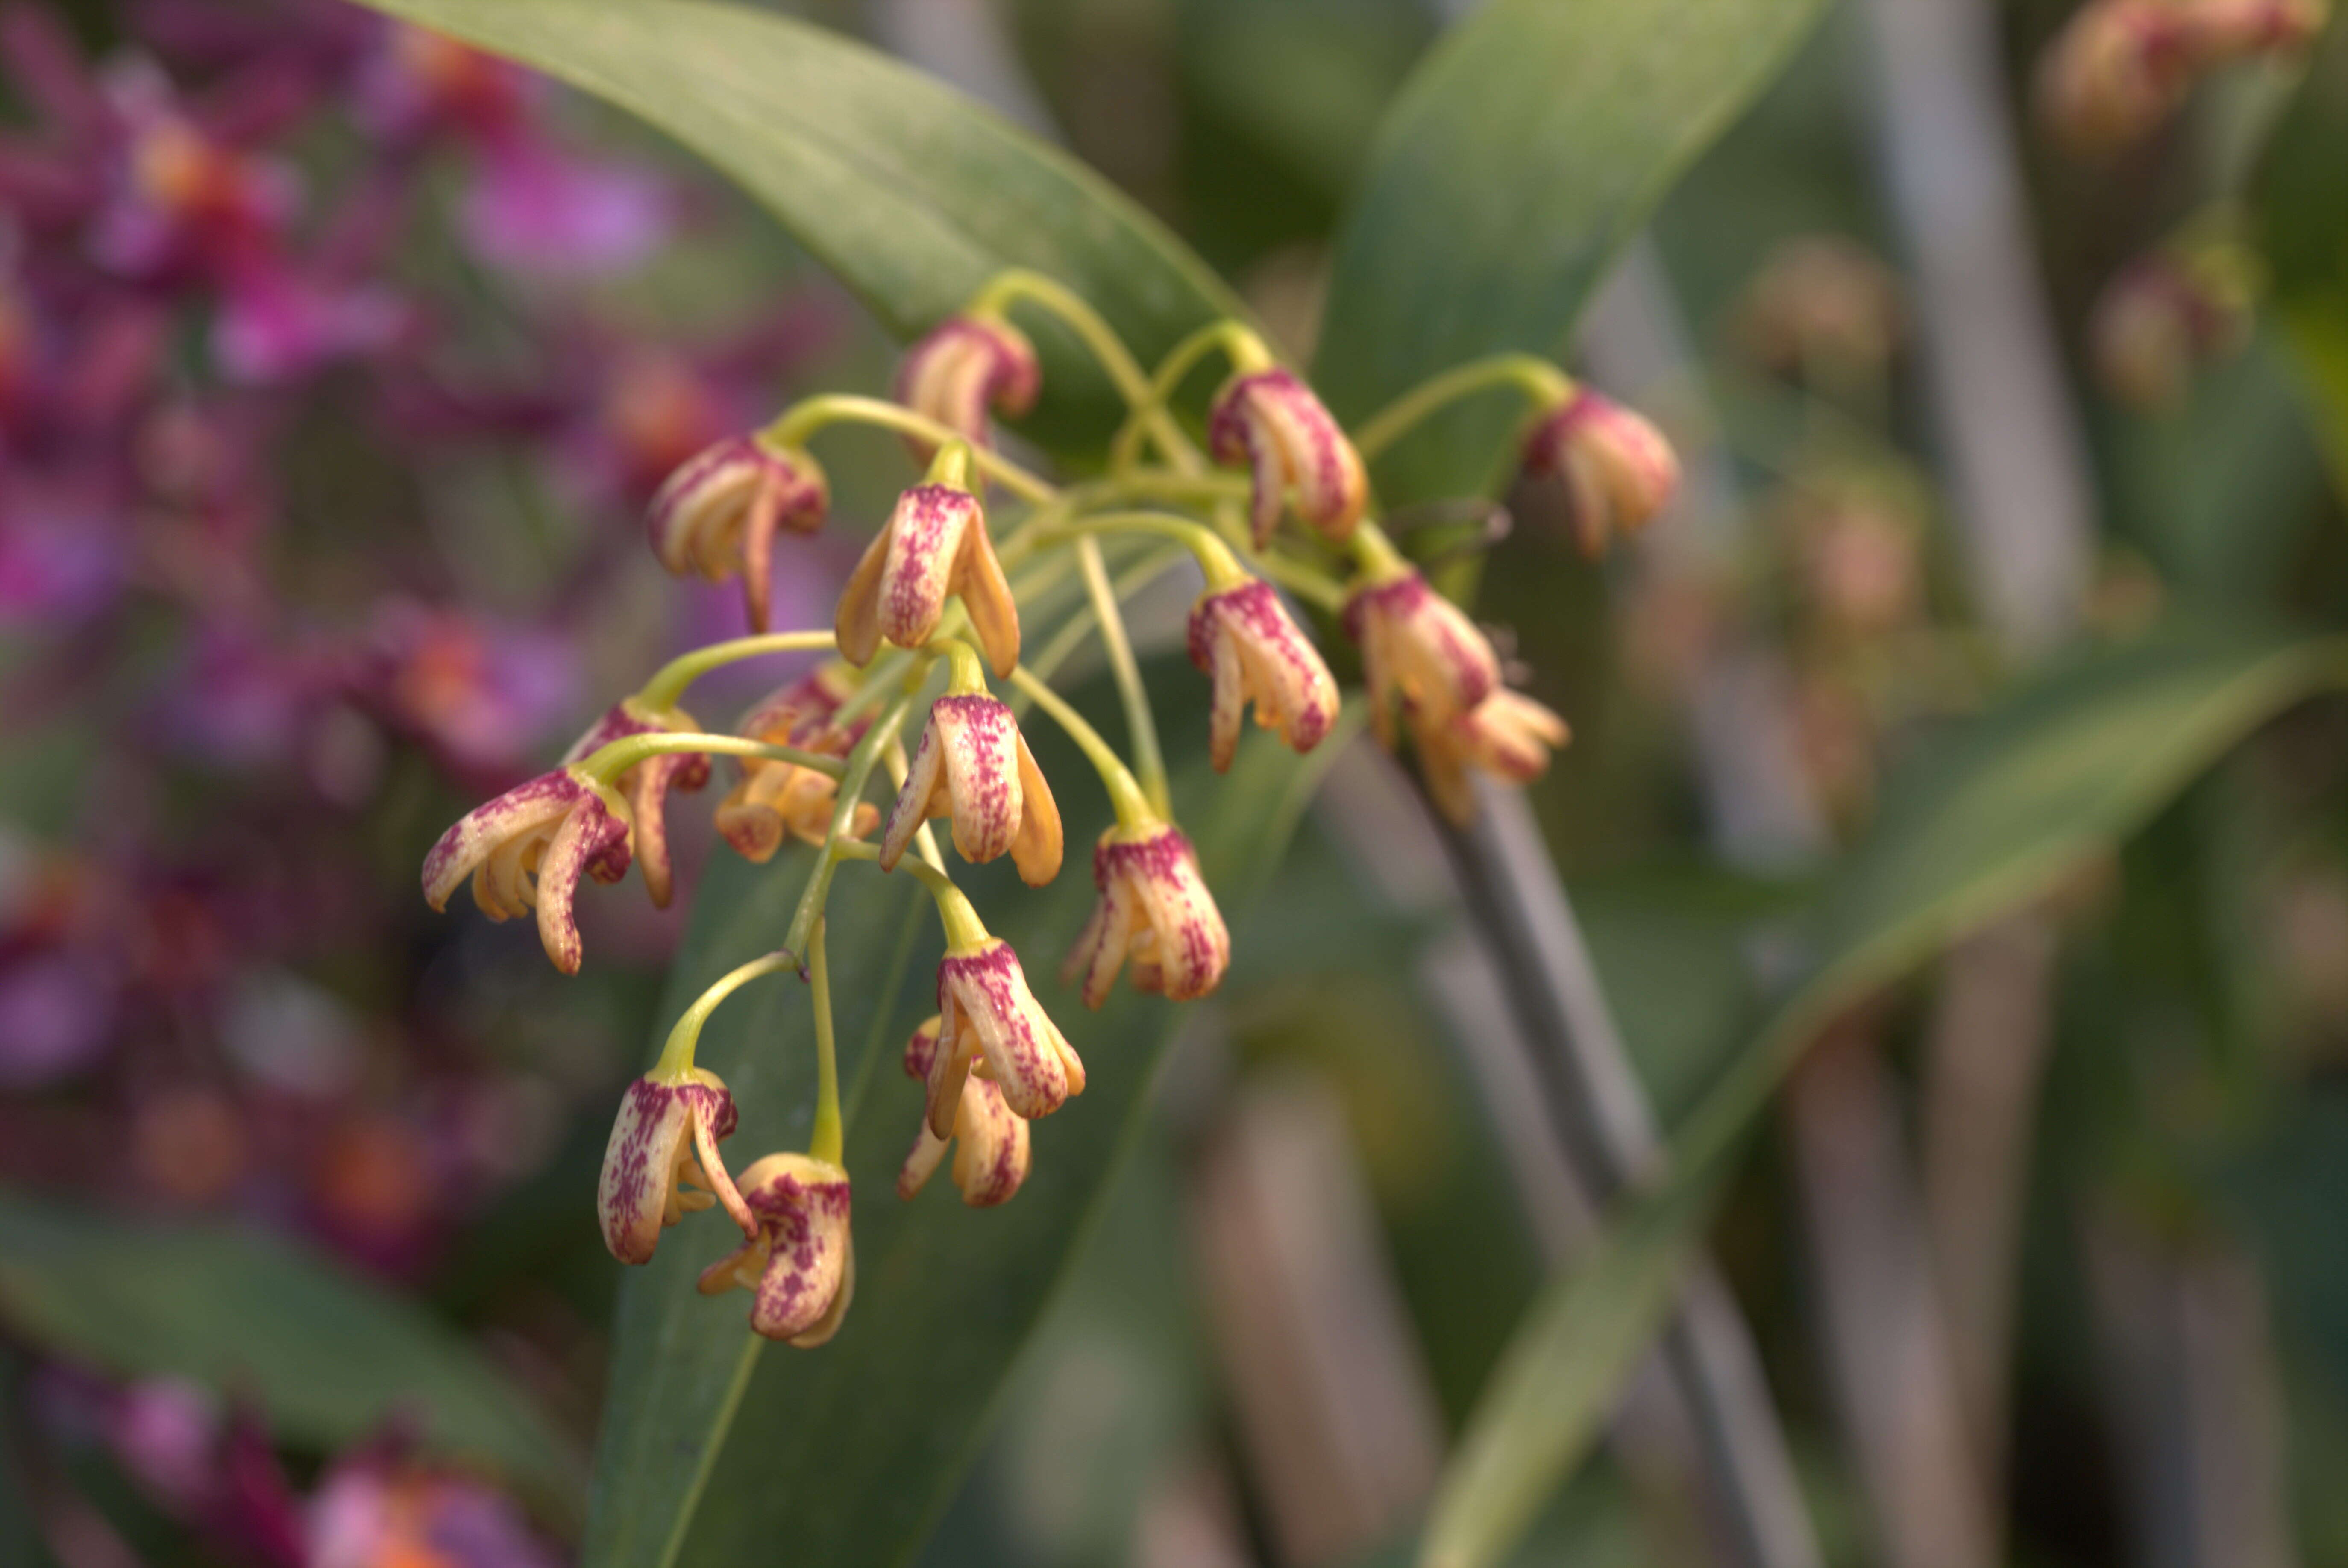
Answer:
(935, 590)
(2120, 68)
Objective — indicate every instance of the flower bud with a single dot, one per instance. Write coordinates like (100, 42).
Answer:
(647, 784)
(718, 514)
(665, 1135)
(990, 1142)
(973, 765)
(1419, 652)
(1245, 640)
(2117, 69)
(2165, 315)
(990, 1018)
(776, 799)
(1154, 907)
(1273, 421)
(799, 1262)
(1617, 470)
(935, 543)
(1507, 735)
(528, 846)
(964, 367)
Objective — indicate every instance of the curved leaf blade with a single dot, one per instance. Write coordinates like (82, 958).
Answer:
(1522, 156)
(329, 1357)
(1997, 816)
(910, 193)
(849, 1452)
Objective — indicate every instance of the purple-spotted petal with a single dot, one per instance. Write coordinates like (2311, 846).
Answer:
(1294, 447)
(1245, 640)
(797, 1264)
(664, 1135)
(966, 366)
(984, 1000)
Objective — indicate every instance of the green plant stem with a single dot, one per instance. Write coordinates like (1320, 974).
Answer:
(858, 772)
(969, 671)
(1125, 372)
(1543, 383)
(965, 931)
(1239, 345)
(609, 762)
(669, 683)
(1215, 559)
(827, 1143)
(1139, 721)
(1134, 811)
(1079, 625)
(676, 1056)
(804, 418)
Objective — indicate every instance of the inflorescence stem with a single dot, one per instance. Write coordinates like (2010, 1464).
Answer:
(1140, 723)
(804, 418)
(965, 931)
(828, 1140)
(676, 1057)
(669, 683)
(1543, 383)
(608, 762)
(1134, 811)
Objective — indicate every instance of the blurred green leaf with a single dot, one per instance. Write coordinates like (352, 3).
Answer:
(1523, 154)
(1997, 815)
(848, 1452)
(910, 192)
(329, 1357)
(2299, 203)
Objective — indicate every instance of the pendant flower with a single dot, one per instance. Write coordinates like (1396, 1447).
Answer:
(527, 848)
(1155, 908)
(1507, 735)
(647, 784)
(1244, 639)
(774, 801)
(1418, 649)
(990, 1142)
(973, 765)
(1617, 470)
(1273, 420)
(2117, 69)
(965, 366)
(935, 543)
(800, 1261)
(992, 1020)
(666, 1135)
(718, 514)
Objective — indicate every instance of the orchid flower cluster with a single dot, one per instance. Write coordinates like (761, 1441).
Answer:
(2120, 68)
(938, 598)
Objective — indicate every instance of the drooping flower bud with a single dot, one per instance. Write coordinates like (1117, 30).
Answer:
(799, 1262)
(965, 366)
(718, 513)
(2117, 69)
(1420, 651)
(1822, 309)
(2167, 315)
(1273, 420)
(665, 1135)
(1154, 907)
(1616, 468)
(992, 1020)
(935, 543)
(528, 848)
(776, 799)
(973, 765)
(647, 784)
(1507, 735)
(990, 1142)
(1244, 639)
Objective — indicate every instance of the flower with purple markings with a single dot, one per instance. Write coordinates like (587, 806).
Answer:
(1617, 468)
(973, 765)
(1419, 652)
(966, 366)
(990, 1142)
(993, 1024)
(1244, 639)
(647, 784)
(1272, 420)
(775, 800)
(935, 544)
(799, 1262)
(1507, 735)
(665, 1137)
(528, 848)
(1155, 909)
(718, 514)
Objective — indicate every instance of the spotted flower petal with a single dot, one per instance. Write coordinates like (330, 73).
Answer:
(1245, 640)
(648, 783)
(989, 1140)
(1617, 470)
(966, 366)
(799, 1262)
(1420, 651)
(992, 1020)
(665, 1135)
(1154, 908)
(1273, 421)
(718, 513)
(973, 765)
(775, 800)
(528, 848)
(935, 544)
(1507, 735)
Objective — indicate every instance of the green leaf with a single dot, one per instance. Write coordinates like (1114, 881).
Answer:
(2299, 203)
(845, 1454)
(1524, 153)
(328, 1357)
(910, 193)
(1994, 818)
